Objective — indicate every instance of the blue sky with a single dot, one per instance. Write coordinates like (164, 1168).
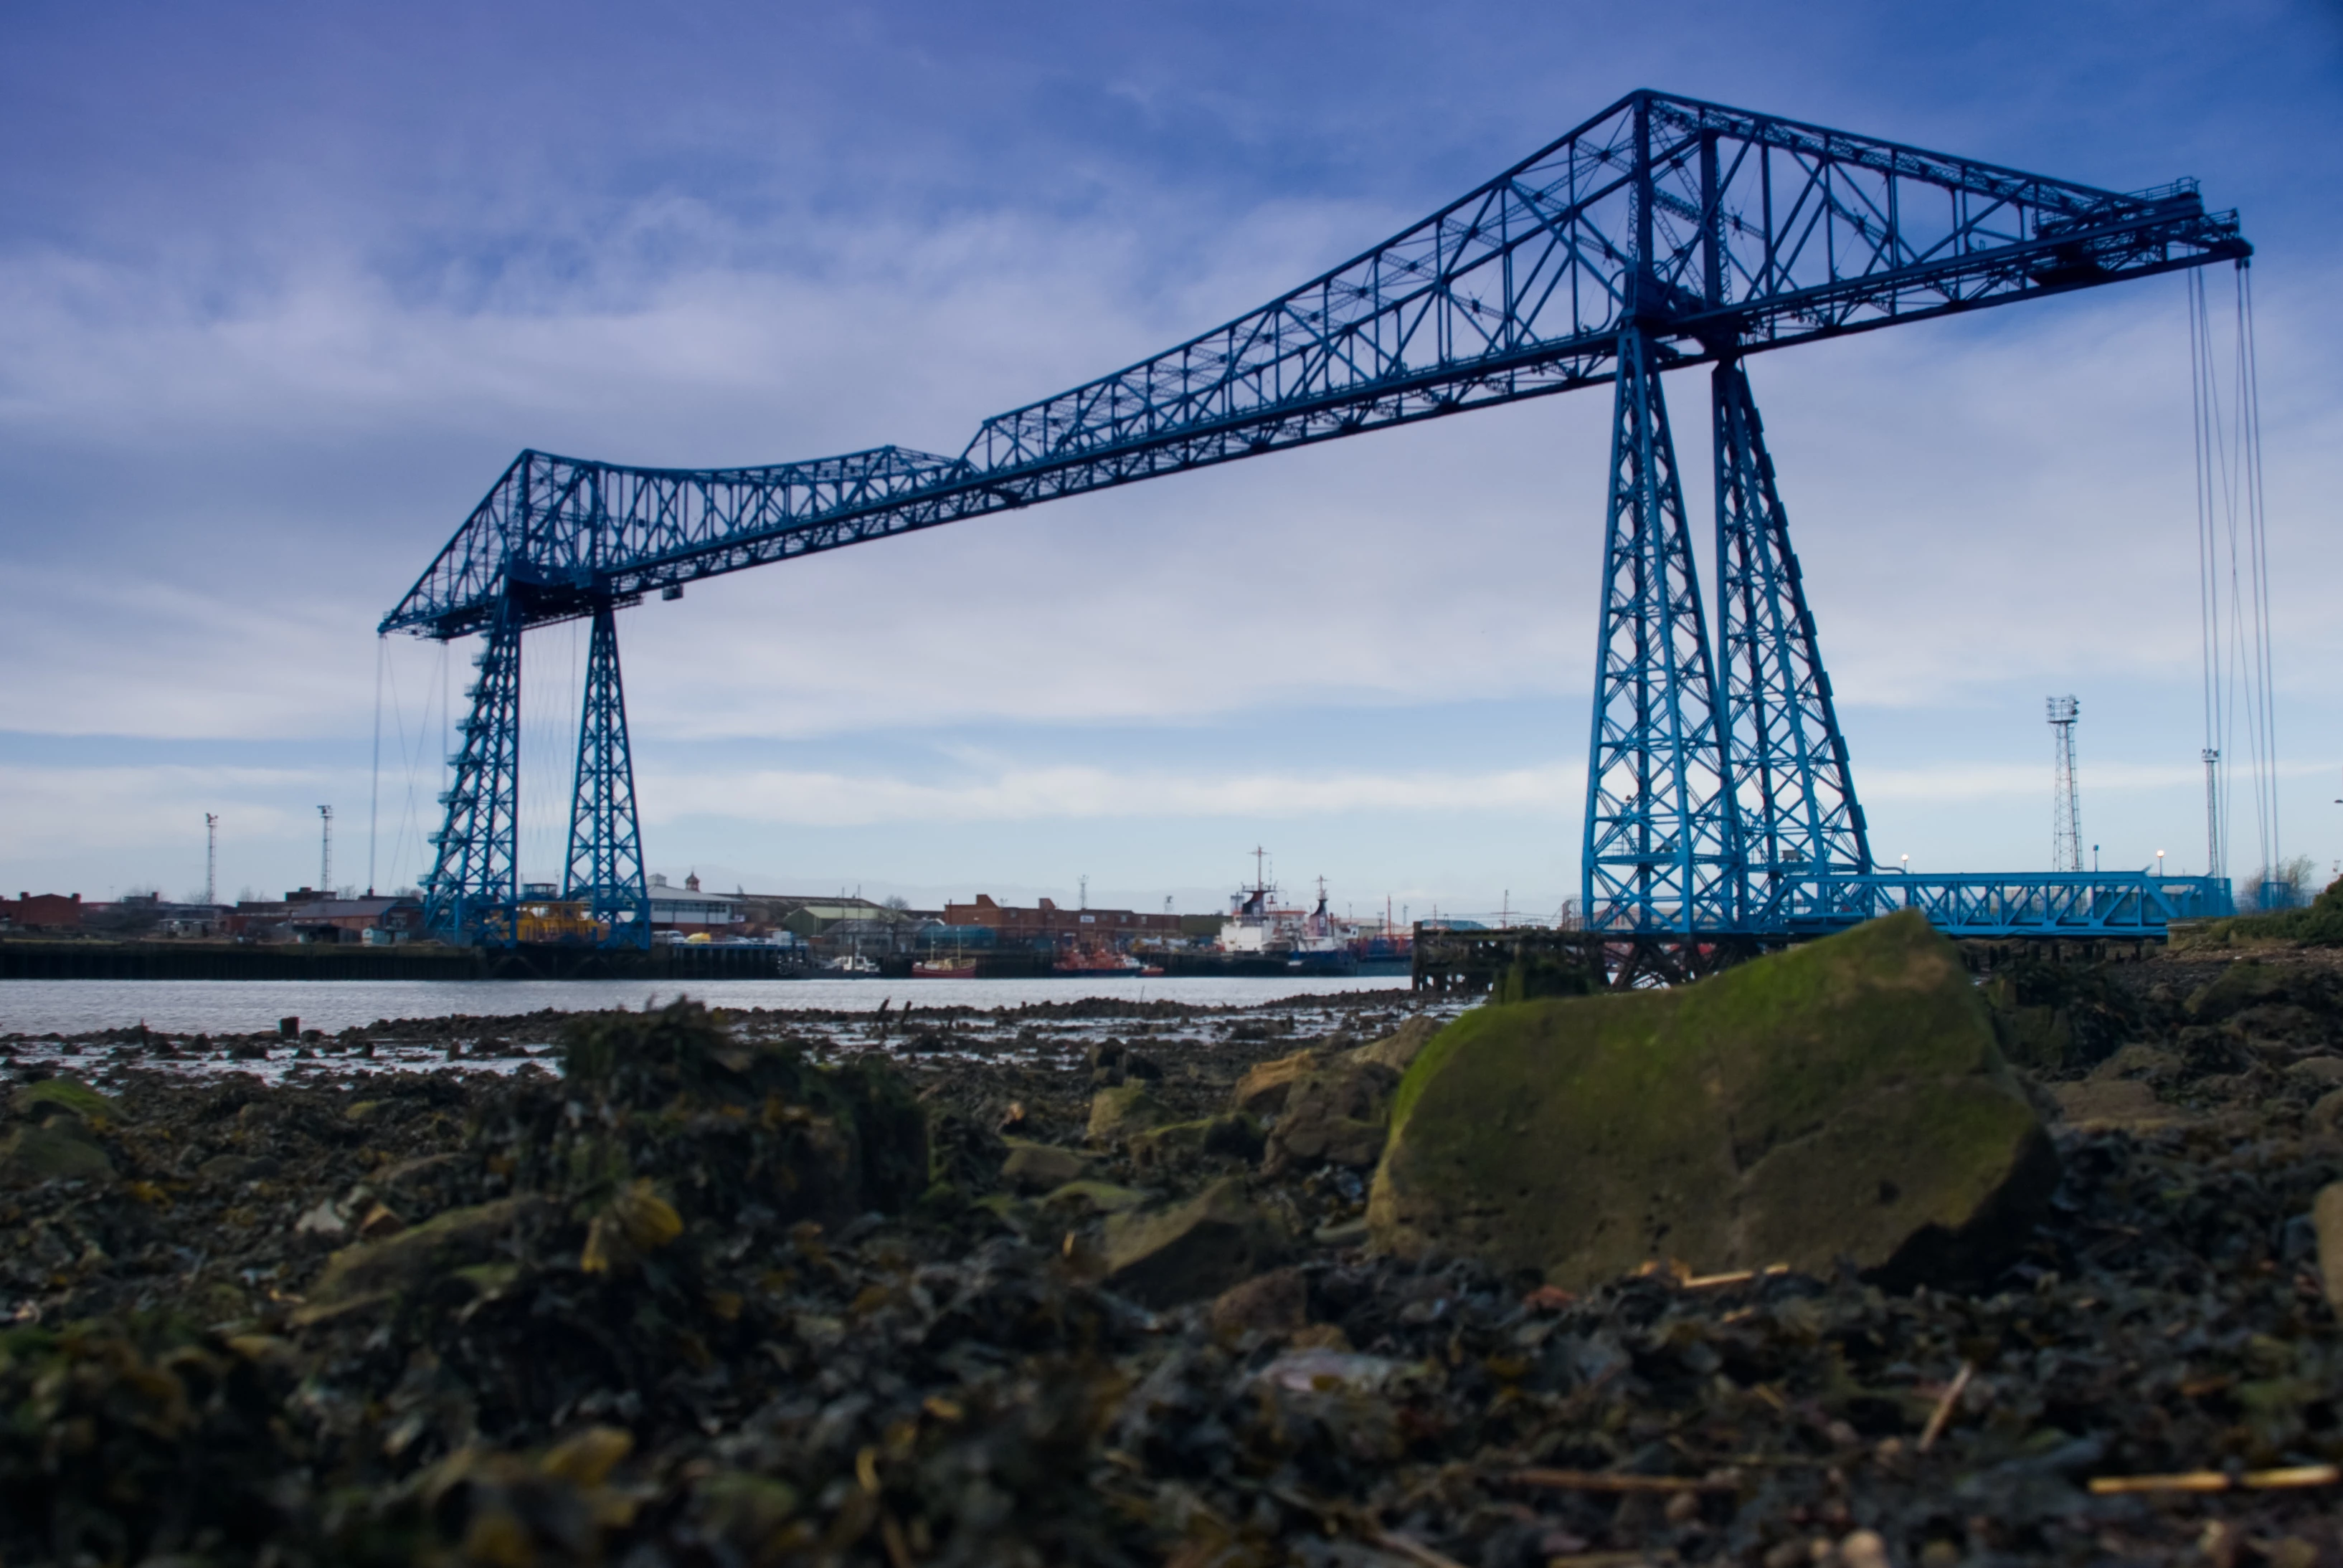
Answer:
(283, 288)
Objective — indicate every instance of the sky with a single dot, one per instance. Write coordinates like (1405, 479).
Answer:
(283, 287)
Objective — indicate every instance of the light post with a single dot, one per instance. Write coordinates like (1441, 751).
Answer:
(2159, 863)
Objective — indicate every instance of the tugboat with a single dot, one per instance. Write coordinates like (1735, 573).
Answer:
(1317, 950)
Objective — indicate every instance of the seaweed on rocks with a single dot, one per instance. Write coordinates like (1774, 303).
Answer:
(705, 1299)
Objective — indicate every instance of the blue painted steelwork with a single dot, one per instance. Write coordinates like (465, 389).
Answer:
(1662, 849)
(1792, 781)
(2037, 903)
(1720, 231)
(475, 880)
(605, 857)
(1693, 231)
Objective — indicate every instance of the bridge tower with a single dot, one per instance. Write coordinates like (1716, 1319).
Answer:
(474, 881)
(605, 870)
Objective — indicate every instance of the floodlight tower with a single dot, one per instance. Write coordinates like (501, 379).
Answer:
(325, 850)
(211, 858)
(2065, 808)
(2213, 835)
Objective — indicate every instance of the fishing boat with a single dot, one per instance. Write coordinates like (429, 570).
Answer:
(944, 969)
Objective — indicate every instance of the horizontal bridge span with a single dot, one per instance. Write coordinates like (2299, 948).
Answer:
(1714, 231)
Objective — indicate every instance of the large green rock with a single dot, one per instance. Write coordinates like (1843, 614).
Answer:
(1843, 1100)
(38, 1102)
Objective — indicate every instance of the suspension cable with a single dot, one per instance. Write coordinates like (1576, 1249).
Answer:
(2250, 464)
(2204, 427)
(374, 790)
(2240, 664)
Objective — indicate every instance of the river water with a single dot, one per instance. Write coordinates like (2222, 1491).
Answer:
(245, 1006)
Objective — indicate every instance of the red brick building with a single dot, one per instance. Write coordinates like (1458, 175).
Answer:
(1049, 921)
(44, 912)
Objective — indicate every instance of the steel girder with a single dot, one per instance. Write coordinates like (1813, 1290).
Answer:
(474, 880)
(1719, 231)
(1662, 850)
(1792, 784)
(2033, 904)
(605, 870)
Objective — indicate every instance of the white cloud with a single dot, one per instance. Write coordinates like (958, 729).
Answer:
(54, 810)
(1010, 793)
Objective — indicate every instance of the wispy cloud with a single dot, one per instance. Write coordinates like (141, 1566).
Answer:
(813, 798)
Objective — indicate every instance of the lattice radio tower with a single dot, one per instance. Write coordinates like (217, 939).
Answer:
(2065, 808)
(325, 851)
(211, 858)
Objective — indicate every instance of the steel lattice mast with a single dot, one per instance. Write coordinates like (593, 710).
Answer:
(1785, 753)
(1662, 234)
(1662, 842)
(605, 870)
(474, 879)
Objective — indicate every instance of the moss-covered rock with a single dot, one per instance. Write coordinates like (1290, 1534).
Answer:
(1123, 1109)
(2244, 984)
(1041, 1166)
(1198, 1249)
(1398, 1049)
(1334, 1115)
(1262, 1090)
(1234, 1137)
(1083, 1198)
(1842, 1099)
(58, 1150)
(38, 1101)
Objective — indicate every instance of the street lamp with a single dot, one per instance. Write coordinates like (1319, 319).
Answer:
(2159, 862)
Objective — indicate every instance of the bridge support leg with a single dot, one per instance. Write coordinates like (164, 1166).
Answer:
(1662, 850)
(473, 886)
(1786, 757)
(605, 870)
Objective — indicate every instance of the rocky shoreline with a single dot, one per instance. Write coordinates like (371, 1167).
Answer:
(1089, 1285)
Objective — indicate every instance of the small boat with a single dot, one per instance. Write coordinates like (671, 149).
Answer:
(851, 964)
(1097, 960)
(944, 969)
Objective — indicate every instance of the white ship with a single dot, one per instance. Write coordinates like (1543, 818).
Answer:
(1257, 926)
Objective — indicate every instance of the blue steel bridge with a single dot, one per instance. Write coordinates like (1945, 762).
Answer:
(1661, 234)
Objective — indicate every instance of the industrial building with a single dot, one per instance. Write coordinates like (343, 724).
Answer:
(1048, 922)
(42, 912)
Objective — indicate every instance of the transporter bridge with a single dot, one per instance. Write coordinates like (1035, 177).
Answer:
(1661, 234)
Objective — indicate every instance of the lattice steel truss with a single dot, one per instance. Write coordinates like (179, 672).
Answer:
(605, 870)
(1663, 839)
(1793, 786)
(1686, 232)
(475, 877)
